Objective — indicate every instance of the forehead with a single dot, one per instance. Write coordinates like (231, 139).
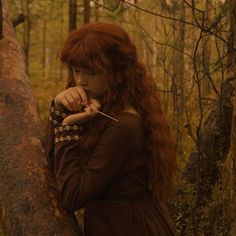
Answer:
(98, 72)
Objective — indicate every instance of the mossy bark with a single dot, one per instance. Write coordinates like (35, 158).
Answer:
(29, 201)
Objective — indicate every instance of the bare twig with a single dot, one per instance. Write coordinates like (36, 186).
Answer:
(115, 7)
(201, 26)
(192, 6)
(155, 41)
(18, 20)
(189, 127)
(198, 136)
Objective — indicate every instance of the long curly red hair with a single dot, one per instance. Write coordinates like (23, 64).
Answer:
(108, 47)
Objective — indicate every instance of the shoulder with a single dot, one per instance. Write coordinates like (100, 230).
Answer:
(128, 130)
(128, 123)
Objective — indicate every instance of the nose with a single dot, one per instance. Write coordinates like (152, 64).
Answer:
(81, 79)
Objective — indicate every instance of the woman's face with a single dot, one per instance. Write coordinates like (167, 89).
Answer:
(94, 82)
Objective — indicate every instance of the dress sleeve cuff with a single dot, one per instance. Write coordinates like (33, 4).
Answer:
(67, 133)
(57, 116)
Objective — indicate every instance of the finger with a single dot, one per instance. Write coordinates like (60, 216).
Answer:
(77, 118)
(71, 101)
(75, 95)
(82, 94)
(95, 103)
(66, 104)
(90, 111)
(77, 100)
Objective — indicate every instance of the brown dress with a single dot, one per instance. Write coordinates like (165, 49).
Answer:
(112, 185)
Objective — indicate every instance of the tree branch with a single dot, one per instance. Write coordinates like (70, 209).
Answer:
(113, 8)
(18, 20)
(155, 41)
(201, 27)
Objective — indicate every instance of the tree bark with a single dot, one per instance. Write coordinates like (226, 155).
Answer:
(62, 27)
(214, 144)
(1, 21)
(28, 196)
(233, 155)
(18, 20)
(231, 57)
(208, 158)
(178, 77)
(27, 29)
(96, 12)
(44, 29)
(231, 70)
(206, 53)
(72, 15)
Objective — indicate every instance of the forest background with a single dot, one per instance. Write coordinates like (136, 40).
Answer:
(189, 45)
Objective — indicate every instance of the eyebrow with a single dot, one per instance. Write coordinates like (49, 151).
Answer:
(82, 68)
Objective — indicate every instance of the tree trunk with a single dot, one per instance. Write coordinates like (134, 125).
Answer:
(233, 154)
(44, 45)
(1, 21)
(208, 158)
(206, 54)
(86, 11)
(231, 57)
(178, 78)
(62, 25)
(231, 70)
(27, 28)
(214, 144)
(96, 12)
(72, 15)
(28, 196)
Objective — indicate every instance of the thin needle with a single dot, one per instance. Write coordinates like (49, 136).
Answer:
(99, 111)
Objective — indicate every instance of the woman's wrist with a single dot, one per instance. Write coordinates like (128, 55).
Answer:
(58, 106)
(78, 119)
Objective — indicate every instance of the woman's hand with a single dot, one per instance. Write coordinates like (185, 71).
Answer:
(70, 99)
(82, 117)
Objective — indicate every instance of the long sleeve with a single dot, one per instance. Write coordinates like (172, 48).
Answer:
(80, 185)
(53, 130)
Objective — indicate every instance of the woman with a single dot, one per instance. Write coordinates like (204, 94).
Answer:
(120, 167)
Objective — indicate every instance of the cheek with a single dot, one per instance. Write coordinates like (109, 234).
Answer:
(103, 87)
(76, 82)
(105, 84)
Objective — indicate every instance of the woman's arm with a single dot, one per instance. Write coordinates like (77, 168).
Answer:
(79, 184)
(55, 120)
(63, 122)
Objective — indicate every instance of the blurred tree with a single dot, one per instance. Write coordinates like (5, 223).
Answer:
(62, 29)
(178, 73)
(45, 56)
(86, 11)
(72, 14)
(231, 57)
(96, 12)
